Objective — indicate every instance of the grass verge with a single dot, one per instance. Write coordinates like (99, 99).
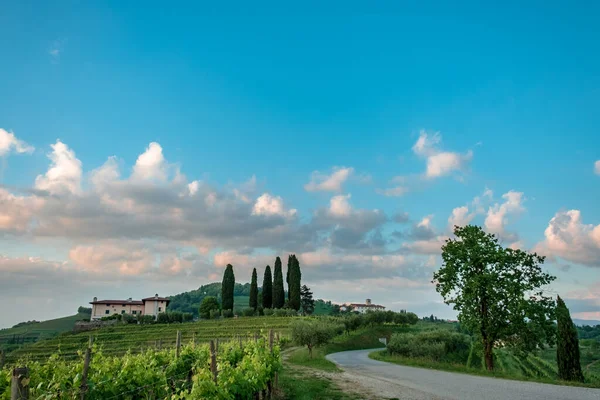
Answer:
(298, 384)
(459, 368)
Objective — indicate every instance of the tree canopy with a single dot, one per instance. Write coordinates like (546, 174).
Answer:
(278, 290)
(208, 304)
(267, 289)
(496, 291)
(253, 302)
(567, 347)
(227, 288)
(306, 300)
(294, 283)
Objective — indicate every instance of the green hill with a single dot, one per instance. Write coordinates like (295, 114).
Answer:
(190, 301)
(31, 332)
(120, 338)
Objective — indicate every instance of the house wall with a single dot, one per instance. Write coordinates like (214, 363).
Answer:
(154, 307)
(99, 310)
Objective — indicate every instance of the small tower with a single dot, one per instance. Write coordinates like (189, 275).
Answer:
(95, 299)
(368, 302)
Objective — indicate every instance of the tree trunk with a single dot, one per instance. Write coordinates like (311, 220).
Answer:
(488, 354)
(310, 351)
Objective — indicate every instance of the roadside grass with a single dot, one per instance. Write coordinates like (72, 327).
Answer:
(300, 385)
(591, 380)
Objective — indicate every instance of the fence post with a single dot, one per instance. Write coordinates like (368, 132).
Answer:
(1, 359)
(86, 366)
(194, 339)
(160, 344)
(213, 361)
(217, 346)
(178, 343)
(19, 389)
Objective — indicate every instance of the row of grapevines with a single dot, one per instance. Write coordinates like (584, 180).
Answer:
(242, 371)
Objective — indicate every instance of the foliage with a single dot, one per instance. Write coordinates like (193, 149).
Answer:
(190, 301)
(249, 312)
(313, 333)
(84, 310)
(306, 300)
(227, 287)
(294, 280)
(589, 332)
(267, 289)
(567, 348)
(278, 290)
(145, 319)
(253, 291)
(268, 311)
(496, 291)
(215, 314)
(243, 371)
(437, 345)
(227, 313)
(208, 304)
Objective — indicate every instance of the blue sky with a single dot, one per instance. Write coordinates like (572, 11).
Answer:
(277, 93)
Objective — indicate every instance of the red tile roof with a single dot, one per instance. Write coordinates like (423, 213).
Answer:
(365, 305)
(156, 298)
(132, 302)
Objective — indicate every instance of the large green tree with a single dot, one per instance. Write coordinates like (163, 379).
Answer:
(253, 291)
(267, 289)
(294, 284)
(496, 291)
(306, 300)
(208, 304)
(227, 287)
(278, 290)
(567, 345)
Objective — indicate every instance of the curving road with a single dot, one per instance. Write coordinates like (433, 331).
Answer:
(421, 383)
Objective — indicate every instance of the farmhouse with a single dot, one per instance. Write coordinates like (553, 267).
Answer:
(363, 308)
(148, 306)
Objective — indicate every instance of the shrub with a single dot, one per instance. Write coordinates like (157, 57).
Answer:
(129, 319)
(437, 345)
(227, 314)
(280, 312)
(162, 318)
(268, 311)
(214, 314)
(187, 317)
(314, 333)
(209, 303)
(145, 319)
(261, 311)
(248, 312)
(290, 312)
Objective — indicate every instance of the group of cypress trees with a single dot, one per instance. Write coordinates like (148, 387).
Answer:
(273, 293)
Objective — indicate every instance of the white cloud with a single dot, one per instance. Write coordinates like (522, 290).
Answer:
(597, 167)
(17, 212)
(64, 174)
(106, 174)
(56, 49)
(497, 215)
(9, 142)
(271, 205)
(439, 163)
(460, 217)
(396, 191)
(339, 206)
(569, 238)
(329, 183)
(193, 187)
(151, 164)
(428, 246)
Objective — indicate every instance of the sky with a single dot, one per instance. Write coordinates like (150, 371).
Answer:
(144, 148)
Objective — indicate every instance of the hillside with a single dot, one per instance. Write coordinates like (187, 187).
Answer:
(119, 339)
(12, 338)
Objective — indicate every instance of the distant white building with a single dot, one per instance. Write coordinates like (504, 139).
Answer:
(363, 308)
(148, 306)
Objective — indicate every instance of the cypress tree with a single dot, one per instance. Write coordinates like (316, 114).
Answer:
(567, 345)
(294, 284)
(253, 291)
(307, 301)
(267, 289)
(227, 288)
(278, 291)
(287, 276)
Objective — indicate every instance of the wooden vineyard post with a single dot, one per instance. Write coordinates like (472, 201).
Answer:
(160, 344)
(1, 359)
(194, 339)
(240, 338)
(19, 389)
(178, 343)
(269, 383)
(86, 367)
(213, 360)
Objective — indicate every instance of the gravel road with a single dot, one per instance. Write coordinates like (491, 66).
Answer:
(425, 384)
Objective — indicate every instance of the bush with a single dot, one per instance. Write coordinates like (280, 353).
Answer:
(280, 312)
(129, 319)
(84, 310)
(162, 318)
(290, 312)
(188, 317)
(145, 319)
(227, 314)
(209, 303)
(268, 311)
(215, 314)
(261, 311)
(437, 345)
(248, 312)
(314, 333)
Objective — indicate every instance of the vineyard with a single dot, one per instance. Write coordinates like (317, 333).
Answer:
(233, 370)
(119, 339)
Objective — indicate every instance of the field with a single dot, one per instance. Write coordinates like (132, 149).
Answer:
(14, 337)
(116, 340)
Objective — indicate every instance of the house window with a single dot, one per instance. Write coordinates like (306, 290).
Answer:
(159, 309)
(134, 312)
(108, 305)
(123, 305)
(123, 312)
(107, 312)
